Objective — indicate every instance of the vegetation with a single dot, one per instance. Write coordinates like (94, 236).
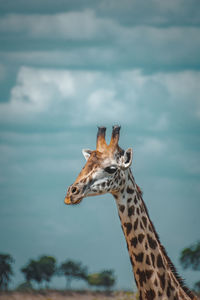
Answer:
(190, 258)
(48, 267)
(72, 270)
(45, 267)
(42, 270)
(104, 279)
(5, 270)
(32, 271)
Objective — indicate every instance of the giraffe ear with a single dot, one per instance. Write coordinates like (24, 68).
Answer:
(86, 153)
(127, 158)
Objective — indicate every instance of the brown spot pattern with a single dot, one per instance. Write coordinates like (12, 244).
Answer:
(129, 190)
(121, 208)
(135, 200)
(139, 257)
(140, 237)
(142, 277)
(131, 211)
(150, 294)
(160, 262)
(153, 259)
(162, 280)
(148, 260)
(152, 242)
(149, 274)
(135, 224)
(128, 228)
(144, 219)
(134, 242)
(150, 228)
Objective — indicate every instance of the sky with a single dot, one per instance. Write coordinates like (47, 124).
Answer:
(67, 67)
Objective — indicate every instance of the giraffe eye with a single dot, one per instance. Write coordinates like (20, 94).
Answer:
(110, 169)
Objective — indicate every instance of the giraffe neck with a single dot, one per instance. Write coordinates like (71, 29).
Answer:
(155, 275)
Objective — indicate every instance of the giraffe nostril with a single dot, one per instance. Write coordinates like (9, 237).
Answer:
(74, 189)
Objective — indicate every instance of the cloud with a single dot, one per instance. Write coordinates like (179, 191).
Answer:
(75, 96)
(116, 47)
(105, 103)
(153, 12)
(71, 25)
(98, 41)
(36, 91)
(78, 57)
(130, 12)
(31, 84)
(81, 98)
(183, 88)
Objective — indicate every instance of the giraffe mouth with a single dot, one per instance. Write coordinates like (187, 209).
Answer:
(71, 201)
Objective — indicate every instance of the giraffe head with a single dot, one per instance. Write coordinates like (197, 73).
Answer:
(104, 171)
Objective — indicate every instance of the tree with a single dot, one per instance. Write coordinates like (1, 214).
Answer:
(190, 258)
(104, 279)
(40, 270)
(94, 279)
(5, 270)
(32, 271)
(197, 286)
(107, 279)
(47, 266)
(72, 270)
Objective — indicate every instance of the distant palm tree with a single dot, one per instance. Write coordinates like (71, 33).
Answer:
(5, 270)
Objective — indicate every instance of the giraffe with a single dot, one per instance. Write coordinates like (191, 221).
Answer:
(107, 170)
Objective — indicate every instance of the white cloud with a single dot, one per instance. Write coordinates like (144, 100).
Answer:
(87, 97)
(183, 88)
(110, 42)
(181, 85)
(103, 104)
(36, 90)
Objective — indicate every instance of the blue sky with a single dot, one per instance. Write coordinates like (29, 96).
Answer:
(68, 66)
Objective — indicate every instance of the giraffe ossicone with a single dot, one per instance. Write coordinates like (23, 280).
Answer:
(107, 170)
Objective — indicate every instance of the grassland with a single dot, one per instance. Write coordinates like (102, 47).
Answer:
(67, 295)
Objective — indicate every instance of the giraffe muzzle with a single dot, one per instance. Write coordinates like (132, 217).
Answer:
(74, 195)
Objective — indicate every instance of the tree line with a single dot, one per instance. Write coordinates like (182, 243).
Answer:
(45, 267)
